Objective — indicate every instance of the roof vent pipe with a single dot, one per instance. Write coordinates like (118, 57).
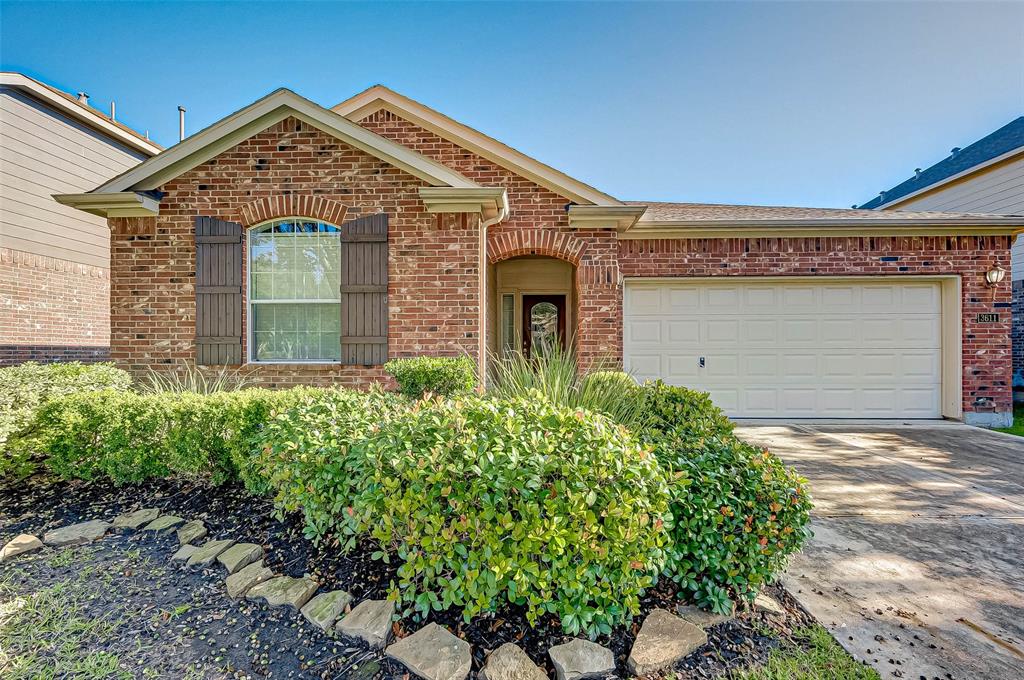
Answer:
(917, 173)
(181, 123)
(954, 151)
(881, 196)
(83, 98)
(113, 111)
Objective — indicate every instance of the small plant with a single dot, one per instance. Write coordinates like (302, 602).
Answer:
(486, 501)
(555, 374)
(444, 376)
(189, 378)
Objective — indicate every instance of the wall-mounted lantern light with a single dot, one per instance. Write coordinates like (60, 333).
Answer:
(995, 276)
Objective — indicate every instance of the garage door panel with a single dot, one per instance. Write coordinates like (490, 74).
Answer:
(792, 349)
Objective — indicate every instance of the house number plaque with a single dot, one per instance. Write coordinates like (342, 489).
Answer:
(988, 318)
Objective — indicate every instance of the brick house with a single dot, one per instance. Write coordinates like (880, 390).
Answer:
(54, 260)
(309, 245)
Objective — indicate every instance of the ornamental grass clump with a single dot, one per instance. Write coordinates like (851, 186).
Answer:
(738, 512)
(489, 501)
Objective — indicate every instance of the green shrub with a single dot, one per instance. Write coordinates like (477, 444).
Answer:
(445, 376)
(487, 500)
(737, 511)
(24, 388)
(555, 374)
(304, 453)
(130, 437)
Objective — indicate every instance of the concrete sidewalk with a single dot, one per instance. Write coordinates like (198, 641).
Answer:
(917, 564)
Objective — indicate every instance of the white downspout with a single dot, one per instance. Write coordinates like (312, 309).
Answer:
(481, 362)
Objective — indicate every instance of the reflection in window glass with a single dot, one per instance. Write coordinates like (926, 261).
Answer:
(543, 326)
(508, 323)
(295, 279)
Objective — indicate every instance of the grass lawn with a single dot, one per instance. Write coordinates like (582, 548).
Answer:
(1018, 422)
(818, 657)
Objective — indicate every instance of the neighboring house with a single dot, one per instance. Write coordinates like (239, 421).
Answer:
(987, 176)
(309, 245)
(54, 260)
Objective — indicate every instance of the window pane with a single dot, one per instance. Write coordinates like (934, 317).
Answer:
(508, 322)
(297, 331)
(296, 260)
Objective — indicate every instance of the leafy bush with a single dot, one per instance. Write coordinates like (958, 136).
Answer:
(129, 437)
(738, 512)
(445, 376)
(555, 374)
(24, 388)
(487, 500)
(303, 453)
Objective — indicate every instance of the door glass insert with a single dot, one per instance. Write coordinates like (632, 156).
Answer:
(543, 326)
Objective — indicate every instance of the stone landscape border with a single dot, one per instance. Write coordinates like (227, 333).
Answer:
(430, 653)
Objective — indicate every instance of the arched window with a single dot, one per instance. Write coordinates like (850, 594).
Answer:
(294, 291)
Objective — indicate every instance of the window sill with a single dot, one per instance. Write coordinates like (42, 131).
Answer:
(295, 363)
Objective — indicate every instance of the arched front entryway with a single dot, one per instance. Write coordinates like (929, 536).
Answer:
(532, 303)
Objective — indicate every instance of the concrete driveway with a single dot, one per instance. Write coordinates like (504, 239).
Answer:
(917, 564)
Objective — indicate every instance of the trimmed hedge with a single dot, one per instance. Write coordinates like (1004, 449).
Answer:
(24, 388)
(738, 512)
(486, 501)
(130, 437)
(444, 376)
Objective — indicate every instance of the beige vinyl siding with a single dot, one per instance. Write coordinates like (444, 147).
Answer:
(43, 152)
(999, 190)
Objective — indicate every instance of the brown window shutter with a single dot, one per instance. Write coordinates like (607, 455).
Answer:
(218, 292)
(364, 290)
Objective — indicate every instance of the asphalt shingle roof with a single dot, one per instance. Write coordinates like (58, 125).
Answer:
(683, 212)
(1003, 140)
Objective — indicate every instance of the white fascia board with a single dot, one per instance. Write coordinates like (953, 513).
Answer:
(260, 115)
(619, 217)
(121, 204)
(379, 97)
(79, 113)
(952, 178)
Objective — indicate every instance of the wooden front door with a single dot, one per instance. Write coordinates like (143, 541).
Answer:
(543, 321)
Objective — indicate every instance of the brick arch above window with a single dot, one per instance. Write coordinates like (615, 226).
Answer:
(508, 244)
(289, 205)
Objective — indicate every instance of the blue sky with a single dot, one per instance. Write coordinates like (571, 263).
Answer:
(819, 104)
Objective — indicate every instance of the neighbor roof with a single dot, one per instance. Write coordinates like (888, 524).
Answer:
(70, 106)
(1007, 140)
(719, 212)
(379, 97)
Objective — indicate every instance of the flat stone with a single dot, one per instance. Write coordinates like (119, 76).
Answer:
(184, 552)
(191, 531)
(239, 583)
(370, 622)
(768, 605)
(134, 520)
(325, 608)
(700, 617)
(77, 534)
(581, 659)
(208, 552)
(509, 662)
(164, 523)
(284, 590)
(663, 639)
(22, 543)
(240, 555)
(433, 653)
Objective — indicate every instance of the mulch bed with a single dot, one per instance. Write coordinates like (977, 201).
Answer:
(247, 639)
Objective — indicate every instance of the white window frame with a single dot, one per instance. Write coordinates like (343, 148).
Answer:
(250, 302)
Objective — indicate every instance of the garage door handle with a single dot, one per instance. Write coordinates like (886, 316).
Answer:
(701, 362)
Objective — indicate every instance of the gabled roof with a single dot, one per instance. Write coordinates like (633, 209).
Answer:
(260, 115)
(83, 113)
(1005, 142)
(380, 97)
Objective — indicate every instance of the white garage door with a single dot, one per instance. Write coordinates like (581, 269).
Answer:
(791, 349)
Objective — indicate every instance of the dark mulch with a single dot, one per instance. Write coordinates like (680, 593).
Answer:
(244, 638)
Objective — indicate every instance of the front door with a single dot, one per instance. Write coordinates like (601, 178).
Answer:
(543, 322)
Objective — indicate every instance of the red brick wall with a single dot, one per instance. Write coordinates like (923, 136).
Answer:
(987, 356)
(52, 310)
(432, 291)
(533, 208)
